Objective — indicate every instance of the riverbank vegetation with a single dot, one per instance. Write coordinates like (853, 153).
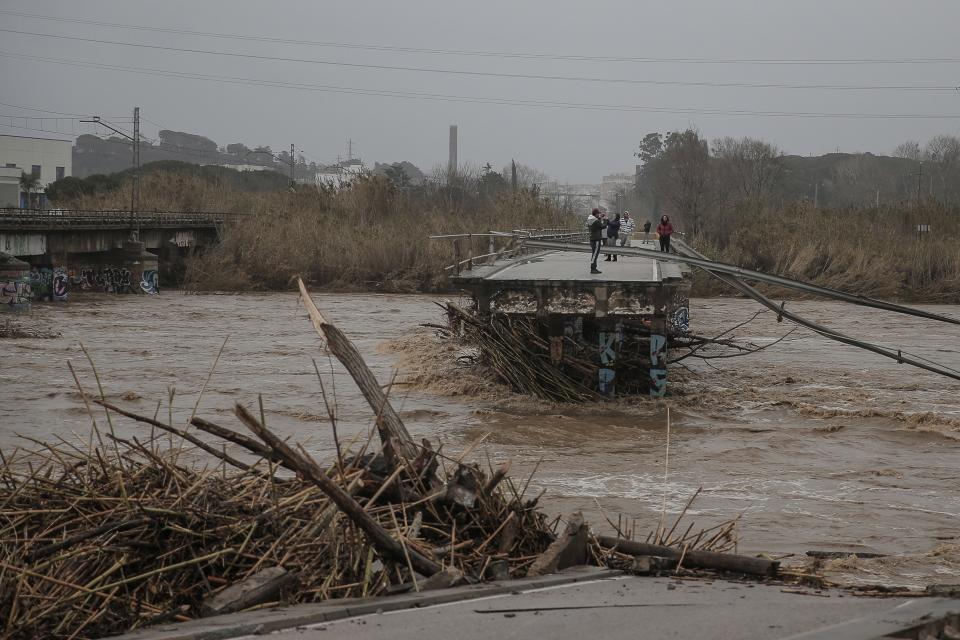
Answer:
(877, 252)
(882, 226)
(371, 235)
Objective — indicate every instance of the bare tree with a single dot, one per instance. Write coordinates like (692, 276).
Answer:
(944, 152)
(527, 176)
(749, 166)
(909, 150)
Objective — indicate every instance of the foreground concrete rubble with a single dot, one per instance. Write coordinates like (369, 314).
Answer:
(589, 602)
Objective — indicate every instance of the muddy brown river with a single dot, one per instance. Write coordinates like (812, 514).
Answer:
(813, 444)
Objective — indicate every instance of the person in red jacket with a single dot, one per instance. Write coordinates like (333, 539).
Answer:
(664, 230)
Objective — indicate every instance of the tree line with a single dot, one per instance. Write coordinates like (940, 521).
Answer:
(705, 184)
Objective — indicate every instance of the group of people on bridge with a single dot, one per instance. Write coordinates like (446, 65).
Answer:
(616, 233)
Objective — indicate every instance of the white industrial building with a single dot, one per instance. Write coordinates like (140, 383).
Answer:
(341, 174)
(48, 159)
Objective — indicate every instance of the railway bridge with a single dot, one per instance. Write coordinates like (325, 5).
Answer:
(52, 252)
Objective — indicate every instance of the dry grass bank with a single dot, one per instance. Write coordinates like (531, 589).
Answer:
(874, 252)
(374, 237)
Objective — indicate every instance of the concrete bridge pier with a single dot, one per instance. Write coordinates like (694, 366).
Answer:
(14, 284)
(143, 267)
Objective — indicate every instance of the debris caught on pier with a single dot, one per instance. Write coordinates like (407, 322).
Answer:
(525, 357)
(125, 532)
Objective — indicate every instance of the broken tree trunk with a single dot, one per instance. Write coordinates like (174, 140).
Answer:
(569, 550)
(393, 433)
(263, 586)
(697, 559)
(312, 472)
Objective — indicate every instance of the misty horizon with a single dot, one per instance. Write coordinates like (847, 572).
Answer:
(531, 82)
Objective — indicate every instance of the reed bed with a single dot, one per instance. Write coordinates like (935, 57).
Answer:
(368, 236)
(875, 252)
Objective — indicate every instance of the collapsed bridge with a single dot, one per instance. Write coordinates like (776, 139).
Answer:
(609, 333)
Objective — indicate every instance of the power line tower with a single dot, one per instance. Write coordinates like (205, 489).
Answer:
(135, 191)
(293, 181)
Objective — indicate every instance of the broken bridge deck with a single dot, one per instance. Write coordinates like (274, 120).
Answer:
(633, 299)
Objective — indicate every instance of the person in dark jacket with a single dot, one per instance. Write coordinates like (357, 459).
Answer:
(596, 223)
(664, 231)
(646, 230)
(613, 234)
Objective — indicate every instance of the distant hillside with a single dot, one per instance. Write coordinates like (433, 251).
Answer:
(853, 179)
(65, 190)
(93, 155)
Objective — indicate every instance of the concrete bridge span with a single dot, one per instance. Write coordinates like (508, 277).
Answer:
(100, 250)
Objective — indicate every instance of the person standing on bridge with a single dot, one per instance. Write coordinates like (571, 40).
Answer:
(596, 223)
(664, 231)
(646, 230)
(613, 235)
(626, 228)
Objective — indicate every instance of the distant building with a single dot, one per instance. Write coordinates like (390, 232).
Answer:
(341, 174)
(48, 159)
(249, 167)
(613, 185)
(9, 187)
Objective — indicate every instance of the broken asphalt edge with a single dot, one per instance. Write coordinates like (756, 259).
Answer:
(234, 625)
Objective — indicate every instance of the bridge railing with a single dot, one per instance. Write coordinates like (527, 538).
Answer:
(86, 218)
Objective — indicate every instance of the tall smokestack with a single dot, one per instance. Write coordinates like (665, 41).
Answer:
(452, 163)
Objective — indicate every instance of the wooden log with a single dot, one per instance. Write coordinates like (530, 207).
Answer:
(263, 586)
(388, 421)
(379, 536)
(695, 559)
(569, 550)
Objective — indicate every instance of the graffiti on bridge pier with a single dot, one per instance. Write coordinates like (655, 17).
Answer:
(15, 295)
(150, 281)
(610, 344)
(658, 365)
(49, 284)
(60, 285)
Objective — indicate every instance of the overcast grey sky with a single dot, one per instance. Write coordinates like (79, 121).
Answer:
(569, 144)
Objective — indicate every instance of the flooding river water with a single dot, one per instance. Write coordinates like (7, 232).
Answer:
(815, 445)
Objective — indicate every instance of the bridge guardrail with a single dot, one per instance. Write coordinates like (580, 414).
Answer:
(15, 218)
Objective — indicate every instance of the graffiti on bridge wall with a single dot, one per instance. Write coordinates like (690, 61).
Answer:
(106, 279)
(15, 295)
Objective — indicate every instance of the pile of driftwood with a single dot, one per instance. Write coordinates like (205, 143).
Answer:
(515, 350)
(522, 354)
(127, 532)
